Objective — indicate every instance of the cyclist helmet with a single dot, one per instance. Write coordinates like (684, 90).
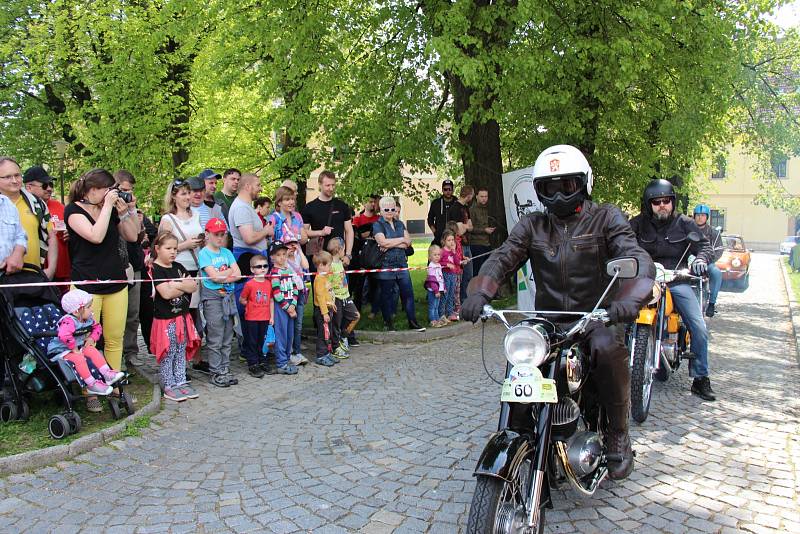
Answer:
(562, 179)
(702, 209)
(656, 189)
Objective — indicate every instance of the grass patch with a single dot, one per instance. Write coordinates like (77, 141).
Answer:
(32, 434)
(794, 278)
(134, 428)
(418, 259)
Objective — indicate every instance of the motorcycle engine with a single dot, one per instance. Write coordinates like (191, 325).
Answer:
(584, 452)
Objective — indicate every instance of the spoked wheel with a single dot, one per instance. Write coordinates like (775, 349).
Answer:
(499, 507)
(642, 372)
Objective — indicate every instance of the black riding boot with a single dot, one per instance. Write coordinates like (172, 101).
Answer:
(618, 443)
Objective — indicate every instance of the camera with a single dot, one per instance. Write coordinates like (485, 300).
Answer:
(126, 196)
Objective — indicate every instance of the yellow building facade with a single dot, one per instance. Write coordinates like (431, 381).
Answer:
(731, 190)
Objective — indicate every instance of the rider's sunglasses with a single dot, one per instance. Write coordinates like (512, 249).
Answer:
(259, 266)
(566, 185)
(660, 201)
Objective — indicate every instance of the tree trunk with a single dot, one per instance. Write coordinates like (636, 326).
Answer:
(480, 153)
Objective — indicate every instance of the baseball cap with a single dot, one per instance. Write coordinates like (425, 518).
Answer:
(36, 174)
(196, 183)
(206, 174)
(216, 225)
(447, 182)
(276, 246)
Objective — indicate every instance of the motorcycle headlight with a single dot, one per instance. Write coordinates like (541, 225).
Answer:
(526, 344)
(736, 262)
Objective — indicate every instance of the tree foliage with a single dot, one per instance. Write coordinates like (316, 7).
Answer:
(381, 90)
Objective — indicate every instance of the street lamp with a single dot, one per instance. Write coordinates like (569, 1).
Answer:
(61, 149)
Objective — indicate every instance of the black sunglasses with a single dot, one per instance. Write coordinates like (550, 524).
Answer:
(660, 201)
(259, 266)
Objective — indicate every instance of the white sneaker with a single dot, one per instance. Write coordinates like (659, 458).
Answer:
(112, 377)
(99, 388)
(298, 359)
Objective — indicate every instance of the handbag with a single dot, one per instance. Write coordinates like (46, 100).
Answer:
(371, 255)
(316, 244)
(410, 251)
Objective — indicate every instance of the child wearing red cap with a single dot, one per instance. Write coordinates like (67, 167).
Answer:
(219, 272)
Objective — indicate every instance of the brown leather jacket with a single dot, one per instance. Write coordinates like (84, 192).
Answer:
(568, 258)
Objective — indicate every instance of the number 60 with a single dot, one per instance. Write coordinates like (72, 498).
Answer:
(523, 390)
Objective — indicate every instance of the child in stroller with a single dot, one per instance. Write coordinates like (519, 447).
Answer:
(77, 336)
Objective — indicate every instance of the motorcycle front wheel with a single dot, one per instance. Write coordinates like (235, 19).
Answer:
(498, 506)
(642, 372)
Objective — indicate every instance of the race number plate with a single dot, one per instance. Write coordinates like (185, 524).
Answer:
(526, 384)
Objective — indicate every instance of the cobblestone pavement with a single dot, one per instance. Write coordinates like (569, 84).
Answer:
(386, 442)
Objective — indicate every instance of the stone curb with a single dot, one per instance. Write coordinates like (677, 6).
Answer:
(25, 461)
(794, 310)
(408, 336)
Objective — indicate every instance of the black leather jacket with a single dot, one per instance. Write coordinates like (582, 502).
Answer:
(666, 241)
(714, 239)
(568, 258)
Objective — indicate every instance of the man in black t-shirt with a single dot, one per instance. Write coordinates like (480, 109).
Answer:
(327, 217)
(439, 212)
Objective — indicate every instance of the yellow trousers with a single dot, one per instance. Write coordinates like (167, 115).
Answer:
(112, 312)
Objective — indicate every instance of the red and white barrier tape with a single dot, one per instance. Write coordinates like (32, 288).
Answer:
(93, 282)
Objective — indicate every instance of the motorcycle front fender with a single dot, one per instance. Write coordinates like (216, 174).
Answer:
(497, 455)
(647, 316)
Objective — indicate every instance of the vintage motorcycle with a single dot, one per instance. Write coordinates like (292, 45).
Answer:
(551, 424)
(658, 340)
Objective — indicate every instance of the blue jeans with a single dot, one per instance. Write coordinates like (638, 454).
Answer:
(685, 301)
(466, 274)
(447, 306)
(284, 336)
(403, 282)
(433, 306)
(714, 283)
(298, 325)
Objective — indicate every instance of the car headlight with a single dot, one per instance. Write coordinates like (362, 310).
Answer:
(526, 344)
(736, 262)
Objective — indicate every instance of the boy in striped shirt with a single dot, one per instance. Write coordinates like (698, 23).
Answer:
(284, 295)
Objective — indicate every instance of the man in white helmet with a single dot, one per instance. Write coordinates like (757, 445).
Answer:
(568, 246)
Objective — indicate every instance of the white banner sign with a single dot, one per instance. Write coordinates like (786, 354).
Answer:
(520, 199)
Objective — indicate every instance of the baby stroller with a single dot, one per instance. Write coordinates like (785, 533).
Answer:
(29, 316)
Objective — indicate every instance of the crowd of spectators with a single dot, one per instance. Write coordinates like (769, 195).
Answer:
(241, 259)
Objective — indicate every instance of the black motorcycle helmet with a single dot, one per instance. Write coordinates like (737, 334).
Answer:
(656, 189)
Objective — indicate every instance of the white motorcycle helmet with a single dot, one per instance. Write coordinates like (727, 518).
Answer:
(562, 179)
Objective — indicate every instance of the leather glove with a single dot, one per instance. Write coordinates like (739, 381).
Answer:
(623, 311)
(472, 307)
(699, 267)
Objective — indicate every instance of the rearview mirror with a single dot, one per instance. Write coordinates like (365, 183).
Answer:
(694, 237)
(626, 267)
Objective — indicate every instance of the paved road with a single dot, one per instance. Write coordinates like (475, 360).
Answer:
(386, 443)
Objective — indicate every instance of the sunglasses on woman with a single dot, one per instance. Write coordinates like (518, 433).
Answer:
(390, 210)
